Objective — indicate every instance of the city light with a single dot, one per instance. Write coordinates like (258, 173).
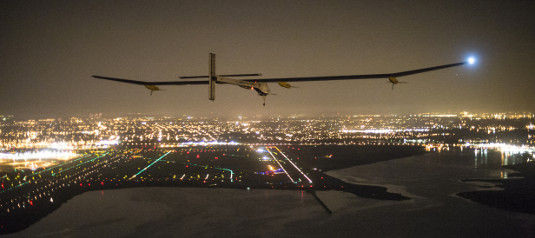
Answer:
(39, 155)
(502, 147)
(49, 161)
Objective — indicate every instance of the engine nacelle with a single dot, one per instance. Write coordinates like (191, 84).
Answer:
(285, 85)
(152, 88)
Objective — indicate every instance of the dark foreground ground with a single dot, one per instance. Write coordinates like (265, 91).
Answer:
(430, 180)
(42, 192)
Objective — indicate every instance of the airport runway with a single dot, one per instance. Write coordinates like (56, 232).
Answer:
(431, 180)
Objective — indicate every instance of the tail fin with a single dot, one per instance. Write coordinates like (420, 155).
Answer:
(213, 78)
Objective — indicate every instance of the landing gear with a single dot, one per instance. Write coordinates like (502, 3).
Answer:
(264, 99)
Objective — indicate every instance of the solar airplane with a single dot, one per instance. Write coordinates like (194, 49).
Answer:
(260, 85)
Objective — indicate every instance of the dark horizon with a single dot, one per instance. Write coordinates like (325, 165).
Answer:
(51, 49)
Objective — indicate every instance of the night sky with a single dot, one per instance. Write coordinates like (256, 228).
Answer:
(50, 49)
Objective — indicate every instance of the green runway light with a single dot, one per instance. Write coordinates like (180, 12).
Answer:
(81, 163)
(148, 166)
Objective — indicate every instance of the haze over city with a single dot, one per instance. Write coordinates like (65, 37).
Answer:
(50, 50)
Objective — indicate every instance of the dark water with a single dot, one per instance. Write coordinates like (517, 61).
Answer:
(513, 189)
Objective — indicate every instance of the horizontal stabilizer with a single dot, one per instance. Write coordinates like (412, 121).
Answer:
(224, 75)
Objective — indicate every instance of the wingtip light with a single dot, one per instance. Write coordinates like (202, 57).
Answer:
(471, 60)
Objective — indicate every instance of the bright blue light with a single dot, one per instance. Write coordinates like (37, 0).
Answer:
(471, 60)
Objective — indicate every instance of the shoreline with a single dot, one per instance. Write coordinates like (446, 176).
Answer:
(515, 194)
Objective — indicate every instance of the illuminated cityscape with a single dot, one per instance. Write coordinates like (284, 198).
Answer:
(45, 162)
(245, 118)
